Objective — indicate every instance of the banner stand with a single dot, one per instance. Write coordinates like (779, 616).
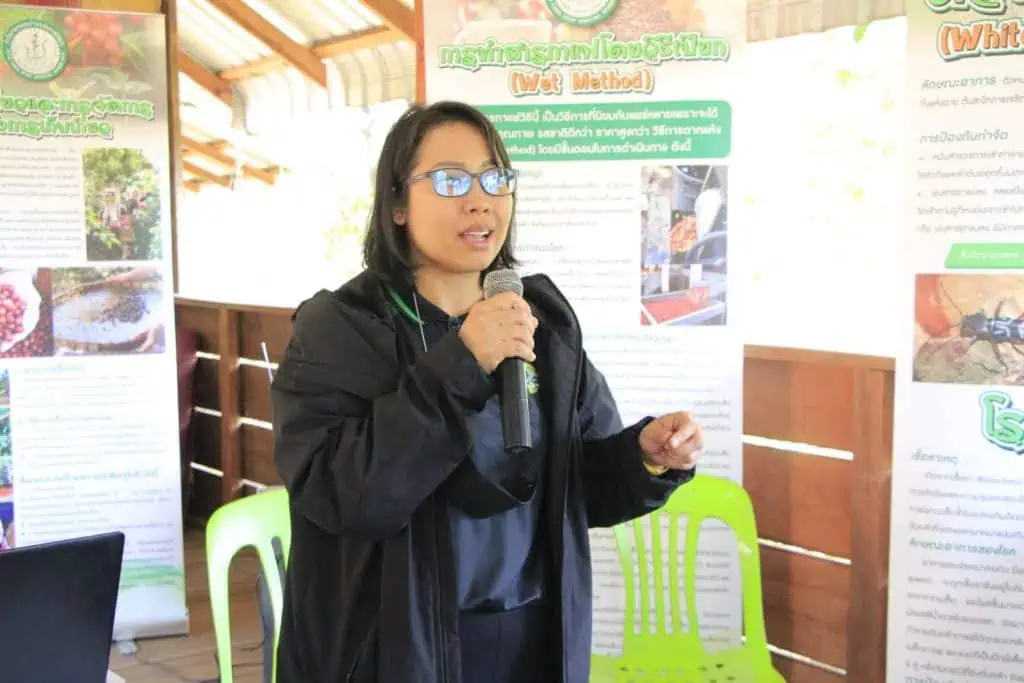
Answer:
(88, 372)
(957, 549)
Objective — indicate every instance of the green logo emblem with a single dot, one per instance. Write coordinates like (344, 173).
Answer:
(1002, 425)
(35, 50)
(582, 12)
(532, 383)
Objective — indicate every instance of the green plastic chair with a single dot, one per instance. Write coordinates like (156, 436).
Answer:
(255, 521)
(676, 655)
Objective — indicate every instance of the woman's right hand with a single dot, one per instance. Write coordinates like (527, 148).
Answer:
(498, 328)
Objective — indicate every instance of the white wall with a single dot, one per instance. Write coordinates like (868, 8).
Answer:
(268, 245)
(818, 166)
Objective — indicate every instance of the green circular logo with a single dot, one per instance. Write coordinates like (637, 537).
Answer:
(582, 12)
(35, 50)
(532, 381)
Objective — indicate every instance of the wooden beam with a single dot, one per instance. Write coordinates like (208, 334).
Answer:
(170, 12)
(229, 396)
(264, 175)
(325, 49)
(193, 184)
(152, 6)
(267, 176)
(219, 145)
(191, 145)
(394, 14)
(296, 55)
(204, 78)
(202, 173)
(421, 69)
(871, 488)
(357, 40)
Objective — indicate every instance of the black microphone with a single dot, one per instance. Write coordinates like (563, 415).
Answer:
(515, 401)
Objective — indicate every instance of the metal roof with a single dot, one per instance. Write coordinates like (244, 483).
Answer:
(357, 78)
(230, 54)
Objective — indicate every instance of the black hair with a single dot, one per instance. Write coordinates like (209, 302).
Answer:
(386, 249)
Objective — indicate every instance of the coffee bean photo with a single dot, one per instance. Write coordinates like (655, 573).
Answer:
(26, 326)
(108, 311)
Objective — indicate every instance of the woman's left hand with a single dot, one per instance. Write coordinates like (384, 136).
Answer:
(673, 441)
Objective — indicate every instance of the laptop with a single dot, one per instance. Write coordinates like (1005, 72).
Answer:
(57, 604)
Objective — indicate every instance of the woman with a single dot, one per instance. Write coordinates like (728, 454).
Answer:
(421, 552)
(129, 214)
(110, 208)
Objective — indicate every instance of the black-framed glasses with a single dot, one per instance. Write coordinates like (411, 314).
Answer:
(456, 182)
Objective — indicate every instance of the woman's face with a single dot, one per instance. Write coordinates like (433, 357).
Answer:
(454, 235)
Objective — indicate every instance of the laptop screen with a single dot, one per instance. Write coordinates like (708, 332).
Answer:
(58, 602)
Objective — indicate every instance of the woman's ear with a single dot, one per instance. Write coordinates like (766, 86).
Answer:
(400, 216)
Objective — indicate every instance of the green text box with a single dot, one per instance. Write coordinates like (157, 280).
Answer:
(687, 129)
(981, 255)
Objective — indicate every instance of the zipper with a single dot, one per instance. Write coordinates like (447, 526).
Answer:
(574, 411)
(362, 651)
(439, 620)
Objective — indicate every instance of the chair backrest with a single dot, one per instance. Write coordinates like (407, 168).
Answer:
(255, 520)
(704, 497)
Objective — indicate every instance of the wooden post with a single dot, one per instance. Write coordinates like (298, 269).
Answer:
(869, 525)
(230, 403)
(170, 10)
(421, 72)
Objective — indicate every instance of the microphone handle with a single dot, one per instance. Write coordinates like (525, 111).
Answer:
(515, 407)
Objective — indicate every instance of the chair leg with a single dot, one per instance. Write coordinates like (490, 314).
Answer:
(275, 593)
(220, 607)
(269, 633)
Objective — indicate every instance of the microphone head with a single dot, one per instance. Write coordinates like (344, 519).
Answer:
(500, 281)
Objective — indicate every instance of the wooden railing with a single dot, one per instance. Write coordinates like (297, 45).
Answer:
(817, 456)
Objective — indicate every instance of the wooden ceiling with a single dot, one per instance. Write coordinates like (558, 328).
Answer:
(397, 24)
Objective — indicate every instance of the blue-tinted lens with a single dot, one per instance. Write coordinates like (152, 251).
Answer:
(498, 181)
(451, 182)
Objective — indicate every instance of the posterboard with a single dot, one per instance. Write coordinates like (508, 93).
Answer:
(619, 116)
(88, 387)
(956, 573)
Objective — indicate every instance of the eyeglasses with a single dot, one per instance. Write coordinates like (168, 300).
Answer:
(456, 182)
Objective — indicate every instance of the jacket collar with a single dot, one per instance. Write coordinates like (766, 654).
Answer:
(367, 292)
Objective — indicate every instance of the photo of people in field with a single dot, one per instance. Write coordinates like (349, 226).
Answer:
(122, 206)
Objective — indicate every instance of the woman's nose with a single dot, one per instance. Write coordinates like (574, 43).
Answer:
(476, 200)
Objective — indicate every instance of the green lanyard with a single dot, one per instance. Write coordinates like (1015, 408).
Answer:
(404, 307)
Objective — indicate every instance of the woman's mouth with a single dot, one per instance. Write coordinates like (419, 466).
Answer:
(476, 238)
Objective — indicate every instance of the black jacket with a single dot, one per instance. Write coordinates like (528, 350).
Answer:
(365, 447)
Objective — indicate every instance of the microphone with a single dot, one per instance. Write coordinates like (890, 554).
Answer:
(515, 402)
